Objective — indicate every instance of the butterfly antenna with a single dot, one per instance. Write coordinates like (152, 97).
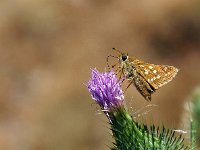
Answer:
(117, 50)
(107, 60)
(113, 66)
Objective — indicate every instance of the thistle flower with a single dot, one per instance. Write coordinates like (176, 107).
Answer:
(106, 90)
(128, 134)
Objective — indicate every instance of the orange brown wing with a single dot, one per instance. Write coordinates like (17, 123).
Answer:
(155, 75)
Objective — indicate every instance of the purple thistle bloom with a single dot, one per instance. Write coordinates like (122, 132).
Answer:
(106, 90)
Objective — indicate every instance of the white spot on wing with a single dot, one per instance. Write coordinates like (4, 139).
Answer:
(142, 66)
(165, 69)
(154, 71)
(150, 67)
(146, 72)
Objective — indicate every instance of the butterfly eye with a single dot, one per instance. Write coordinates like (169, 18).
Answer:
(124, 57)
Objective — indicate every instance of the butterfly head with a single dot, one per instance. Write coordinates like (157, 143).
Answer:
(122, 56)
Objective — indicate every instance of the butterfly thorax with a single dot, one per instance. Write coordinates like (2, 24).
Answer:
(128, 68)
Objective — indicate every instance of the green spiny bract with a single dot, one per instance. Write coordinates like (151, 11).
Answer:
(130, 135)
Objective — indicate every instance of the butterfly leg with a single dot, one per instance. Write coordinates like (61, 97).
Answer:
(118, 70)
(130, 82)
(120, 76)
(121, 79)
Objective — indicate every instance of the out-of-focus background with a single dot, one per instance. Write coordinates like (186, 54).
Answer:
(48, 47)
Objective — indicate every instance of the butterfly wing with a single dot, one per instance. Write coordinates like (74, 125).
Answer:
(143, 87)
(155, 75)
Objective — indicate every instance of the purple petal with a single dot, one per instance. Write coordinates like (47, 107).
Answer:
(105, 89)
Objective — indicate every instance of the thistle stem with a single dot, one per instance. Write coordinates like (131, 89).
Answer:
(128, 134)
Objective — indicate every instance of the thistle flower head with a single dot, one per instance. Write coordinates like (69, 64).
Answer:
(105, 89)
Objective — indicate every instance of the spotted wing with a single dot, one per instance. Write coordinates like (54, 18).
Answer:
(155, 75)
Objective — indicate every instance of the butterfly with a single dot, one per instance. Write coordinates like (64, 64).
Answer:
(146, 77)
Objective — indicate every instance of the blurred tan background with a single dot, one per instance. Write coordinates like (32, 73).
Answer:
(48, 47)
